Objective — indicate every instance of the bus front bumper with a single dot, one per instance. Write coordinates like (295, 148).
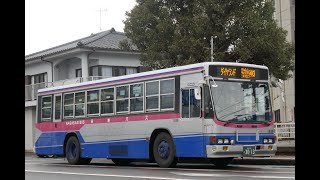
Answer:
(220, 151)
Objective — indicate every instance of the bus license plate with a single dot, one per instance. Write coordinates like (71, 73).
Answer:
(249, 150)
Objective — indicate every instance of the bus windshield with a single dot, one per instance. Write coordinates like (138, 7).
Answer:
(242, 102)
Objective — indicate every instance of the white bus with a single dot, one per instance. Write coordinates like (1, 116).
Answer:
(213, 111)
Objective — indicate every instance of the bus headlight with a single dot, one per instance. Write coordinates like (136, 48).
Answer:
(267, 141)
(223, 141)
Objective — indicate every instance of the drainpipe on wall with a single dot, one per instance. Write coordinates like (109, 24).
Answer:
(41, 58)
(89, 60)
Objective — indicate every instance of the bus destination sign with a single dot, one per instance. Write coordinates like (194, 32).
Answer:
(238, 72)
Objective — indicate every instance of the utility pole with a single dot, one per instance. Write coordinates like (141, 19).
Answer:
(100, 17)
(211, 42)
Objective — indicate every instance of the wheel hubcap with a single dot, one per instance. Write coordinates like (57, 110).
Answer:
(72, 151)
(164, 149)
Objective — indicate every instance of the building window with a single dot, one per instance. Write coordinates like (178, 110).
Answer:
(27, 80)
(78, 72)
(39, 78)
(118, 71)
(277, 116)
(46, 107)
(131, 70)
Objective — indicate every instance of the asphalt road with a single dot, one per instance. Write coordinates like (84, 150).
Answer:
(59, 169)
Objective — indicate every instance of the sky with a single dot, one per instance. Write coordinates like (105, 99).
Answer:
(50, 23)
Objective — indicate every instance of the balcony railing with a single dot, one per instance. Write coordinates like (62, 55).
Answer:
(31, 91)
(285, 131)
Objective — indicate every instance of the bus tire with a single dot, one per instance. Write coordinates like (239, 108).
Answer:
(41, 156)
(221, 162)
(121, 162)
(73, 151)
(164, 150)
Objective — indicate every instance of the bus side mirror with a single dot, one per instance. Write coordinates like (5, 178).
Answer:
(197, 93)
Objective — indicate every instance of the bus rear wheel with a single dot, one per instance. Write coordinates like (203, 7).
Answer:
(73, 151)
(221, 162)
(164, 150)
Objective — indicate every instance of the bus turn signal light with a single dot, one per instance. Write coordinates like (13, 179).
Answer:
(212, 139)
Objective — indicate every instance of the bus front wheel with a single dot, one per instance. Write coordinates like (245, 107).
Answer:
(164, 150)
(73, 151)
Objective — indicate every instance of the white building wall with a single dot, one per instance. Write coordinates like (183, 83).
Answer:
(38, 68)
(285, 17)
(30, 117)
(116, 59)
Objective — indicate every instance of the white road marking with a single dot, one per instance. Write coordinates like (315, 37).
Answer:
(229, 175)
(182, 169)
(104, 175)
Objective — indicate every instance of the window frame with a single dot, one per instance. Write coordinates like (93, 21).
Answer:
(73, 107)
(141, 97)
(173, 93)
(113, 100)
(99, 104)
(189, 90)
(154, 95)
(127, 98)
(84, 103)
(41, 118)
(54, 108)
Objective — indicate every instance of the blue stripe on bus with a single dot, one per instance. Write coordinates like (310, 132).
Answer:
(189, 145)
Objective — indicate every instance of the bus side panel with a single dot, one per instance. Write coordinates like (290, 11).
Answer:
(43, 144)
(135, 149)
(190, 146)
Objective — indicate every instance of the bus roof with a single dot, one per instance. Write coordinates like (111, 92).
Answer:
(144, 75)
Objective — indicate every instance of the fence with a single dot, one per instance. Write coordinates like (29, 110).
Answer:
(285, 131)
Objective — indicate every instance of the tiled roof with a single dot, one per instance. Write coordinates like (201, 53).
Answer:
(104, 40)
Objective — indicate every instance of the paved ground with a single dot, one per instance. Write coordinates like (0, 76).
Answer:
(57, 168)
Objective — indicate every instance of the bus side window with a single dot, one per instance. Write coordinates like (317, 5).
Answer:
(185, 103)
(57, 107)
(46, 108)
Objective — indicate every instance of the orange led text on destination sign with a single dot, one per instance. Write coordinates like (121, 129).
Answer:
(228, 71)
(248, 73)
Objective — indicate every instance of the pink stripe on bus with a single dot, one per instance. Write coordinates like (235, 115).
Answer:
(75, 125)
